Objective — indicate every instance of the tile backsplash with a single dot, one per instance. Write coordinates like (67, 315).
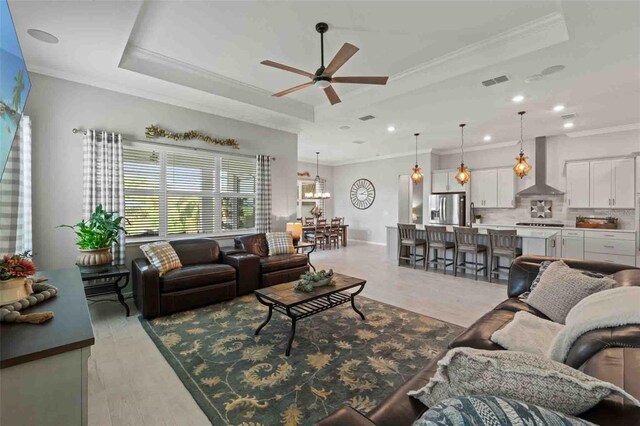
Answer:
(559, 213)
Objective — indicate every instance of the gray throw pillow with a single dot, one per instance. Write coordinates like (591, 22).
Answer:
(560, 288)
(482, 410)
(516, 375)
(543, 267)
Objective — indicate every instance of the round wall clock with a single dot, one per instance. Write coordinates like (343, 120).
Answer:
(363, 193)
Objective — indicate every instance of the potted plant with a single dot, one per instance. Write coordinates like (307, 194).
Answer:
(309, 280)
(95, 237)
(478, 218)
(14, 271)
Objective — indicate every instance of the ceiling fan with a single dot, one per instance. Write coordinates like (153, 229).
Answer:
(323, 77)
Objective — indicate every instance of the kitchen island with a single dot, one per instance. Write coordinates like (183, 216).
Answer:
(532, 241)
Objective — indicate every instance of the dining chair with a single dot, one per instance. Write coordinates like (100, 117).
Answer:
(407, 237)
(309, 221)
(466, 241)
(334, 234)
(502, 243)
(437, 240)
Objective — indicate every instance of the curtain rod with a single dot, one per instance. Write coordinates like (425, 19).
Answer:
(84, 132)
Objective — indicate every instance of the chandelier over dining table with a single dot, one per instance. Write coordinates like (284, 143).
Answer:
(319, 193)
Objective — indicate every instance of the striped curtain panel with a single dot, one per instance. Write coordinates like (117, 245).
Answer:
(103, 181)
(15, 194)
(263, 193)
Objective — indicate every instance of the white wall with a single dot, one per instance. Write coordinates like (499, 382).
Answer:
(56, 106)
(326, 173)
(369, 225)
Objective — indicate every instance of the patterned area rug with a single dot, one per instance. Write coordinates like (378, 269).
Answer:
(337, 359)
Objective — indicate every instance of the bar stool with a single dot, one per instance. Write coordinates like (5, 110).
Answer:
(437, 240)
(466, 241)
(502, 243)
(407, 238)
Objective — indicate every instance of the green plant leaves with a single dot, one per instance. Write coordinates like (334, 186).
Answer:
(100, 231)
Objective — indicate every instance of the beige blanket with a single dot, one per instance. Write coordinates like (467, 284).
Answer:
(608, 308)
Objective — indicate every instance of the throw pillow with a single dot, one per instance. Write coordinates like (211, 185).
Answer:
(517, 375)
(543, 267)
(527, 333)
(162, 256)
(482, 410)
(280, 243)
(561, 288)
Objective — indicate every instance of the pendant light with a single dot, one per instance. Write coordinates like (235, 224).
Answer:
(416, 175)
(462, 174)
(522, 168)
(318, 194)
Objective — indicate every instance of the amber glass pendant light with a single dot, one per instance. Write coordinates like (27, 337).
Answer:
(522, 168)
(416, 172)
(462, 175)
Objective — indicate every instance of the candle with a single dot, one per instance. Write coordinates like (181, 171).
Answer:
(295, 229)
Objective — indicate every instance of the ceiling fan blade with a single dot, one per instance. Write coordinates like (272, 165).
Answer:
(332, 95)
(293, 89)
(346, 51)
(360, 80)
(287, 68)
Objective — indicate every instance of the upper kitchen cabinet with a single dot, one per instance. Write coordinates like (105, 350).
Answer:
(601, 184)
(445, 181)
(484, 188)
(578, 184)
(506, 188)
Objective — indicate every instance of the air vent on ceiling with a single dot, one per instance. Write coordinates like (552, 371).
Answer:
(568, 116)
(366, 118)
(495, 80)
(359, 142)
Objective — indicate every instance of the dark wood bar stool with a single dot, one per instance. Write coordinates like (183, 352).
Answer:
(407, 238)
(502, 243)
(437, 240)
(466, 241)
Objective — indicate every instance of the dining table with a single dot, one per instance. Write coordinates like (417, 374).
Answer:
(311, 228)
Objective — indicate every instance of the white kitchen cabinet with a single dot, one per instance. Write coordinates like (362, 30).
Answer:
(578, 184)
(623, 179)
(572, 244)
(445, 181)
(601, 173)
(506, 188)
(638, 174)
(484, 188)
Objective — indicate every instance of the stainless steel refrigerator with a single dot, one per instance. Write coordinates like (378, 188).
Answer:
(447, 209)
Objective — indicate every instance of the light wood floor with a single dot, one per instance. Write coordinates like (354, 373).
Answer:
(130, 383)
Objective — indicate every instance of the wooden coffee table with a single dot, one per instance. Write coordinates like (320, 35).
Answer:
(298, 305)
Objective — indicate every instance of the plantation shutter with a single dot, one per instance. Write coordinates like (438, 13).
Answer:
(237, 192)
(142, 190)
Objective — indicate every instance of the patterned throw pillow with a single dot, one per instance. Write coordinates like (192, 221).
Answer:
(280, 243)
(485, 410)
(517, 375)
(162, 256)
(561, 288)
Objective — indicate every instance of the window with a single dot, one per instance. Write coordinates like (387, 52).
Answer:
(173, 192)
(305, 205)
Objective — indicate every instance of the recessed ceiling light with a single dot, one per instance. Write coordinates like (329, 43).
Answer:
(487, 138)
(534, 77)
(391, 129)
(345, 127)
(552, 69)
(568, 125)
(518, 98)
(42, 36)
(558, 108)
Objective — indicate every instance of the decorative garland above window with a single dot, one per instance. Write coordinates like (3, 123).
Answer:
(153, 132)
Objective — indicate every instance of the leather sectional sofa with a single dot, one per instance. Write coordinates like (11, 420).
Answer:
(210, 274)
(610, 354)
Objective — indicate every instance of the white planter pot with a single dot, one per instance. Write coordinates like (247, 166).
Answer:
(14, 289)
(96, 257)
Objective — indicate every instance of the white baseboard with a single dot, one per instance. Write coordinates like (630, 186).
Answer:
(368, 242)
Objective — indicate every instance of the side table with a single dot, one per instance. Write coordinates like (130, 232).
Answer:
(106, 279)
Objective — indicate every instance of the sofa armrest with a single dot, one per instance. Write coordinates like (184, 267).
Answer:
(592, 342)
(228, 251)
(247, 268)
(146, 288)
(346, 416)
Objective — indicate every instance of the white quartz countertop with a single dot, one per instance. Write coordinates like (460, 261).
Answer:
(570, 228)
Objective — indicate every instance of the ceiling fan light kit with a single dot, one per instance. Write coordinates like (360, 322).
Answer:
(323, 77)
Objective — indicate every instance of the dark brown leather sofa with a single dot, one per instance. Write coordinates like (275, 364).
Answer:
(205, 278)
(275, 269)
(611, 354)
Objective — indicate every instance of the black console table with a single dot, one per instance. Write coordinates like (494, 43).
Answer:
(106, 279)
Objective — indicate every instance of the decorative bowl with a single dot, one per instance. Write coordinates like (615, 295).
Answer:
(321, 283)
(14, 289)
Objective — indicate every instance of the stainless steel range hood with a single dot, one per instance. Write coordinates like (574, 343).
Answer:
(540, 186)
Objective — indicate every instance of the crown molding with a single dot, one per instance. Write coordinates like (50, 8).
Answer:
(156, 65)
(376, 158)
(473, 148)
(604, 130)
